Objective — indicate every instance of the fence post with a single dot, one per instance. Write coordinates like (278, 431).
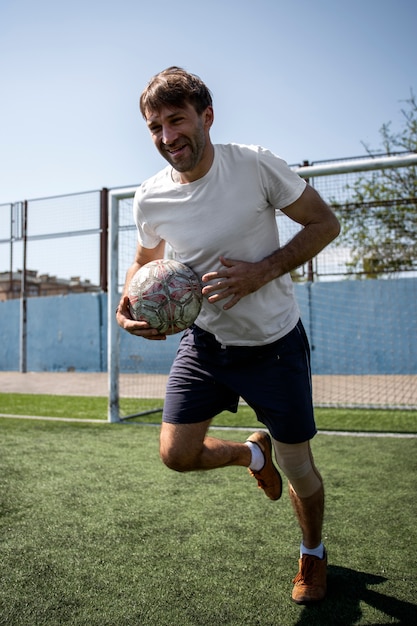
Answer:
(113, 340)
(310, 269)
(104, 227)
(23, 296)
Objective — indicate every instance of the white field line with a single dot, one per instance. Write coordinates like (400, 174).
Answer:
(337, 433)
(53, 419)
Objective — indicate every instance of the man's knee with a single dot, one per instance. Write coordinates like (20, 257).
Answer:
(176, 452)
(296, 461)
(176, 459)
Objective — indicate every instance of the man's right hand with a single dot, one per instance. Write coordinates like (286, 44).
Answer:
(140, 329)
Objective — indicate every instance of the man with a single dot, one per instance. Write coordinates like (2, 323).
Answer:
(215, 205)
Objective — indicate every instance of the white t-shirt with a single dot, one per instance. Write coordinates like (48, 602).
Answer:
(228, 212)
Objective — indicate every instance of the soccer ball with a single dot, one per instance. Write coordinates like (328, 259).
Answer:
(166, 294)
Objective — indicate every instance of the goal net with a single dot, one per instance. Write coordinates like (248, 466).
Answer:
(358, 298)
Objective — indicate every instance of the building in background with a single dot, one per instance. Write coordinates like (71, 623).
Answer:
(37, 285)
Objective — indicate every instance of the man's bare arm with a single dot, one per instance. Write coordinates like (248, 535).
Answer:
(320, 228)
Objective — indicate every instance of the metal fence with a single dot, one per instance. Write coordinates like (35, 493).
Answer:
(60, 237)
(65, 237)
(378, 333)
(66, 242)
(388, 183)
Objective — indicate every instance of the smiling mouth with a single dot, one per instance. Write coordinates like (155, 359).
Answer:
(174, 151)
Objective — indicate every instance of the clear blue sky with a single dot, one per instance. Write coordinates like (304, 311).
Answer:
(309, 79)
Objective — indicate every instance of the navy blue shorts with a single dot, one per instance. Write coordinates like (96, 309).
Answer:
(274, 380)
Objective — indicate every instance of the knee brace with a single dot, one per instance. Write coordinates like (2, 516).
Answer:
(296, 461)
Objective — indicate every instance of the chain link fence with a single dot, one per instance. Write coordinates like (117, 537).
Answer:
(53, 245)
(363, 336)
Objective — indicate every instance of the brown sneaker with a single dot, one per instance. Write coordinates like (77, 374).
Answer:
(268, 477)
(310, 582)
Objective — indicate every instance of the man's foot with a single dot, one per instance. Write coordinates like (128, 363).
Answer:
(268, 477)
(310, 582)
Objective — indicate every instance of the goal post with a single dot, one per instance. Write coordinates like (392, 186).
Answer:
(363, 333)
(113, 298)
(137, 369)
(350, 166)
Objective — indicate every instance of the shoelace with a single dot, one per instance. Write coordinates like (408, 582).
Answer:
(307, 571)
(261, 483)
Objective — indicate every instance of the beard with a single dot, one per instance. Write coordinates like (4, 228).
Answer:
(187, 152)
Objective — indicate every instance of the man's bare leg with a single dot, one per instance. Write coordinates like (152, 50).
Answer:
(309, 512)
(305, 488)
(186, 447)
(310, 582)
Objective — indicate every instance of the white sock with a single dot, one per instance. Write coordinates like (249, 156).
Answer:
(258, 459)
(319, 551)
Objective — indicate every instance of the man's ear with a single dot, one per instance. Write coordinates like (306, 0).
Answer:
(208, 117)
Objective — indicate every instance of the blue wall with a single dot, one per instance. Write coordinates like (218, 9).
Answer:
(64, 333)
(354, 327)
(9, 335)
(362, 326)
(149, 357)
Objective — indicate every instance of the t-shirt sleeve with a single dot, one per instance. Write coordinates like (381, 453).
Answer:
(282, 185)
(147, 237)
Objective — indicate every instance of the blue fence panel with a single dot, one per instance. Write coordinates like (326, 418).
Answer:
(10, 335)
(354, 327)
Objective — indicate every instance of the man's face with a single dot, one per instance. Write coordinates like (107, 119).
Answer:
(181, 136)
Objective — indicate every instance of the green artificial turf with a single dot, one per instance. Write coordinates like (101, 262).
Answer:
(95, 531)
(377, 420)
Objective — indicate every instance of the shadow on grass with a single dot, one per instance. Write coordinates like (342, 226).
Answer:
(346, 590)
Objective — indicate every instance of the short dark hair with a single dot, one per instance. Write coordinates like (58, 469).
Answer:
(175, 87)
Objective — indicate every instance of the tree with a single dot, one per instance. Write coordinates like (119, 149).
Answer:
(379, 217)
